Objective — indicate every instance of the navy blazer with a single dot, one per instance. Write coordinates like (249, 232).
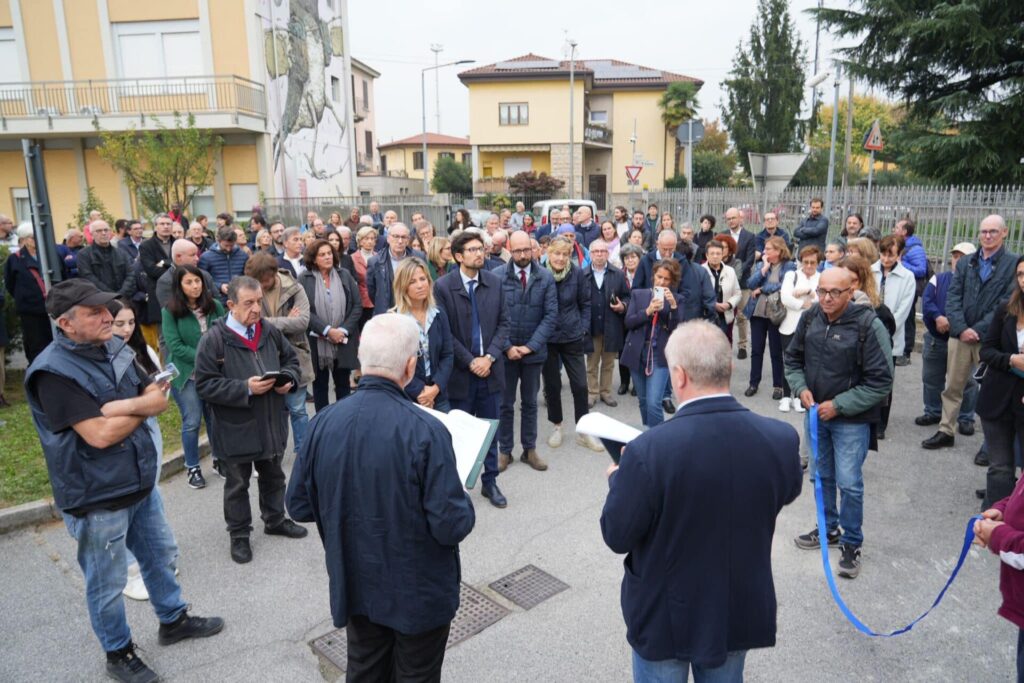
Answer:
(694, 508)
(452, 297)
(442, 358)
(603, 320)
(378, 476)
(638, 329)
(644, 277)
(380, 279)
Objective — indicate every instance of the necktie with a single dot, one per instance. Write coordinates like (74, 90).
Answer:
(250, 332)
(478, 345)
(522, 278)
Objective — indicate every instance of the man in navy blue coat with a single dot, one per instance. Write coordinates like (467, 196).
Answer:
(380, 271)
(693, 504)
(378, 476)
(472, 298)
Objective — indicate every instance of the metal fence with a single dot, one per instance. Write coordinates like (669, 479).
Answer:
(292, 210)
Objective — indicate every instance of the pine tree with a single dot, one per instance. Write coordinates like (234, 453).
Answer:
(959, 69)
(765, 88)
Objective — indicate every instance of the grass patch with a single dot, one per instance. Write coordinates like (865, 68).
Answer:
(23, 476)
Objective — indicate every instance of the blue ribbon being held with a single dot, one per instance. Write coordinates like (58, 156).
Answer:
(812, 415)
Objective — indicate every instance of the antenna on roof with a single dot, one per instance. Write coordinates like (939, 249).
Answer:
(567, 44)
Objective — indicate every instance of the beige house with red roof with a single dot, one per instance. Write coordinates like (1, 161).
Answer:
(404, 158)
(519, 121)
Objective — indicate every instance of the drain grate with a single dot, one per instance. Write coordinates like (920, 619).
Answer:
(476, 612)
(528, 587)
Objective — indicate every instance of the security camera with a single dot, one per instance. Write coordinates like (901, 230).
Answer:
(632, 139)
(817, 79)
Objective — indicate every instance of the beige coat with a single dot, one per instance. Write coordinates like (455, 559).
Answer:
(294, 328)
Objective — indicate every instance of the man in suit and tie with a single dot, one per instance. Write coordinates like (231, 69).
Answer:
(746, 247)
(698, 588)
(473, 300)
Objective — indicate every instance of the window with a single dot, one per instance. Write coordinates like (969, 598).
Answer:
(243, 198)
(336, 89)
(514, 114)
(366, 95)
(599, 117)
(446, 155)
(10, 69)
(369, 144)
(417, 161)
(158, 49)
(22, 205)
(467, 158)
(202, 203)
(383, 165)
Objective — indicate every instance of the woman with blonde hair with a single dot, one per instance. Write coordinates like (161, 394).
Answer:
(439, 257)
(863, 247)
(414, 297)
(765, 284)
(264, 242)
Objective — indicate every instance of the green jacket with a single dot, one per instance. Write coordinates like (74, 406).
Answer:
(181, 336)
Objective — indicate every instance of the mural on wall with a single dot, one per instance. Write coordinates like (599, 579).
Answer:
(305, 57)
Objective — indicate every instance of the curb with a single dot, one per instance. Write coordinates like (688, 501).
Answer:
(43, 511)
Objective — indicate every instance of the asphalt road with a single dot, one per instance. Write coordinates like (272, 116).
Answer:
(916, 505)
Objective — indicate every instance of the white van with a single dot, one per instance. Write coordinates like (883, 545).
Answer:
(542, 210)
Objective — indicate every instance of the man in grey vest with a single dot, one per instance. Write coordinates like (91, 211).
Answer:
(102, 464)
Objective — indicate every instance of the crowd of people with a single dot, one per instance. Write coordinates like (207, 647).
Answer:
(244, 328)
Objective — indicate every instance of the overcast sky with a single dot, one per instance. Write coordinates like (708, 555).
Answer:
(691, 38)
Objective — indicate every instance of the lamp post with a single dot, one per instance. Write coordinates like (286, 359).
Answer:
(572, 99)
(832, 146)
(423, 99)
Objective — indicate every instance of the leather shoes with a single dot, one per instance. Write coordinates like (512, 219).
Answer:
(504, 460)
(286, 528)
(591, 401)
(927, 420)
(632, 391)
(938, 440)
(666, 405)
(492, 493)
(241, 552)
(777, 394)
(623, 389)
(966, 428)
(751, 390)
(531, 458)
(981, 458)
(741, 354)
(979, 494)
(609, 401)
(880, 434)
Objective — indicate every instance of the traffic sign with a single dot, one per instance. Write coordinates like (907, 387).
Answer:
(690, 131)
(873, 139)
(633, 172)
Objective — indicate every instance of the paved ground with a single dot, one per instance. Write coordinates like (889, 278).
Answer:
(917, 503)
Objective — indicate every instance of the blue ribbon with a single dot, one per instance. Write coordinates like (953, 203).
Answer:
(812, 415)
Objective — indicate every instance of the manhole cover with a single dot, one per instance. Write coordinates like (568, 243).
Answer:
(476, 612)
(528, 587)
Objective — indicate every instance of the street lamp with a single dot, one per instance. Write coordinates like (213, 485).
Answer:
(832, 145)
(423, 98)
(572, 98)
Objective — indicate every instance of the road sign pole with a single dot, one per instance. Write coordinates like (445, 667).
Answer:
(689, 172)
(871, 176)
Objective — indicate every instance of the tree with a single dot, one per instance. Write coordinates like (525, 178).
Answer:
(163, 167)
(959, 69)
(678, 105)
(91, 203)
(452, 177)
(529, 182)
(766, 86)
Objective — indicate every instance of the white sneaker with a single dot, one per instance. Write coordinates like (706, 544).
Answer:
(798, 406)
(784, 405)
(135, 588)
(555, 440)
(587, 441)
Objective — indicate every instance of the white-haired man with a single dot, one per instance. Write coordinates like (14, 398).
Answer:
(391, 545)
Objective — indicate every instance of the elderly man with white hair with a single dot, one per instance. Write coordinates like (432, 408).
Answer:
(656, 511)
(391, 510)
(106, 266)
(23, 279)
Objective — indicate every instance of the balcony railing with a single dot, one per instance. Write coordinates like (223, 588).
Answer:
(142, 96)
(360, 106)
(593, 132)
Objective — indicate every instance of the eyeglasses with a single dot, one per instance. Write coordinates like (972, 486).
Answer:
(523, 252)
(400, 237)
(598, 251)
(831, 293)
(989, 232)
(473, 250)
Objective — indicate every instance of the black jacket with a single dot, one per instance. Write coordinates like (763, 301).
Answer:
(22, 284)
(970, 302)
(151, 253)
(746, 246)
(442, 359)
(109, 268)
(248, 427)
(348, 354)
(1001, 391)
(573, 321)
(604, 322)
(532, 313)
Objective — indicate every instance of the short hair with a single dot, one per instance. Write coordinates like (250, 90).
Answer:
(365, 232)
(25, 230)
(201, 217)
(652, 206)
(702, 351)
(707, 217)
(161, 216)
(404, 273)
(226, 217)
(260, 265)
(238, 283)
(909, 226)
(811, 250)
(817, 199)
(630, 249)
(226, 233)
(464, 238)
(288, 232)
(424, 223)
(726, 240)
(638, 211)
(672, 266)
(387, 343)
(714, 244)
(890, 241)
(561, 244)
(840, 247)
(780, 246)
(309, 258)
(121, 224)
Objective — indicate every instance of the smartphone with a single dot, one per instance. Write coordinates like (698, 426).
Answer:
(659, 293)
(280, 378)
(168, 374)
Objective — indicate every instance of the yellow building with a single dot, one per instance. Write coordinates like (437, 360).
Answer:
(275, 93)
(404, 158)
(519, 121)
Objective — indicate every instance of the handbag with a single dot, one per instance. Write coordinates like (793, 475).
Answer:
(774, 309)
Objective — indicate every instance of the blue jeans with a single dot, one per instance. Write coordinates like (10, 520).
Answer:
(842, 447)
(649, 392)
(103, 536)
(525, 377)
(480, 402)
(296, 402)
(191, 408)
(933, 381)
(677, 670)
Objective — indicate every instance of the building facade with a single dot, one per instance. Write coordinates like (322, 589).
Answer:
(272, 77)
(363, 77)
(404, 158)
(519, 121)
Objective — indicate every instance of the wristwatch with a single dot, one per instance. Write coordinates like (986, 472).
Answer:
(489, 357)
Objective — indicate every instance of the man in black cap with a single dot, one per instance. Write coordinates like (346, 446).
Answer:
(101, 459)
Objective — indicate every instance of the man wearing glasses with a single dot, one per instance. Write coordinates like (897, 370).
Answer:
(380, 271)
(840, 358)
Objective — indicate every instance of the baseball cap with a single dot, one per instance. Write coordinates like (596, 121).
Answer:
(65, 295)
(965, 248)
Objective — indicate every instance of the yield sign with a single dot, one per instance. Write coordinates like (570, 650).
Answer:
(873, 140)
(633, 172)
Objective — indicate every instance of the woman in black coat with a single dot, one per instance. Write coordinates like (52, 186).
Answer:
(1002, 390)
(334, 311)
(23, 279)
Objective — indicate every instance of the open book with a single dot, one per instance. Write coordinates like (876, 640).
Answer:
(471, 437)
(612, 433)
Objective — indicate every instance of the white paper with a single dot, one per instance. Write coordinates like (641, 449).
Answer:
(604, 427)
(471, 437)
